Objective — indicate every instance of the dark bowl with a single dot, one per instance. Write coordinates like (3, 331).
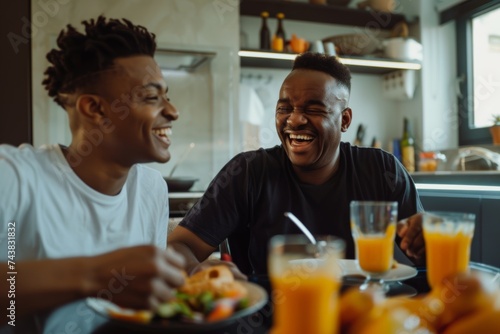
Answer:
(342, 3)
(179, 184)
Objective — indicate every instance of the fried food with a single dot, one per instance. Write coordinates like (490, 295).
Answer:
(217, 279)
(209, 295)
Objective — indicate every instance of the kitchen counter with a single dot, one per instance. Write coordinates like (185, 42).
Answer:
(467, 180)
(181, 202)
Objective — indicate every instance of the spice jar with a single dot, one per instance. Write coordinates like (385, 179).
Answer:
(429, 161)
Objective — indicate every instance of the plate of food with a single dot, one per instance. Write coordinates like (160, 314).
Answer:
(398, 272)
(210, 299)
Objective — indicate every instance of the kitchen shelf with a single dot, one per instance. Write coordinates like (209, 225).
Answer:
(365, 65)
(322, 13)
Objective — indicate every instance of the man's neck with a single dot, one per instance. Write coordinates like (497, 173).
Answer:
(95, 171)
(316, 176)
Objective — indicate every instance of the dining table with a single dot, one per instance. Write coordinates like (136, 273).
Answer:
(79, 318)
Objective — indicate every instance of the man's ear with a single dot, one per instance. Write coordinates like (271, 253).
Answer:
(346, 119)
(90, 107)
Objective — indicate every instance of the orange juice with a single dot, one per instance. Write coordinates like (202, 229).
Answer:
(375, 252)
(446, 254)
(305, 280)
(305, 305)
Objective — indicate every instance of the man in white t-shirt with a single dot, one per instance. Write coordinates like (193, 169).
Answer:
(87, 219)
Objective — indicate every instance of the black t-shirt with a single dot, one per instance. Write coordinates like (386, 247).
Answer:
(246, 201)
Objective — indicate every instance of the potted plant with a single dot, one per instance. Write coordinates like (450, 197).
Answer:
(495, 129)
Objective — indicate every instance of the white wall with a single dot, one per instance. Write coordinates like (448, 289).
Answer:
(191, 24)
(439, 77)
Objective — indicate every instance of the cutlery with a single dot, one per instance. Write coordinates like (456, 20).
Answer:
(181, 159)
(301, 226)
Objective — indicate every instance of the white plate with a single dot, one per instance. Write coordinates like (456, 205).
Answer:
(257, 299)
(399, 273)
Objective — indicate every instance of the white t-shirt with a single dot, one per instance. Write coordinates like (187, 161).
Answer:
(54, 214)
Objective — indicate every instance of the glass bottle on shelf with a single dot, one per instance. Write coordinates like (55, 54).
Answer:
(408, 147)
(278, 44)
(280, 31)
(265, 33)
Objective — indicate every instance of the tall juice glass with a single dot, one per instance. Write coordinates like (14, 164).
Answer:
(305, 280)
(448, 237)
(373, 226)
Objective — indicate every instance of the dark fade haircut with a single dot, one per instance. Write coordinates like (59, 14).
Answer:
(81, 56)
(324, 63)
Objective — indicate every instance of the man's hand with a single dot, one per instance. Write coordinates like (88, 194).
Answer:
(210, 263)
(138, 277)
(412, 238)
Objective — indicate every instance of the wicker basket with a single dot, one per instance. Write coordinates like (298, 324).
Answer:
(355, 44)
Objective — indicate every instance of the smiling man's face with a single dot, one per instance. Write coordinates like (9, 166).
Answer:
(310, 116)
(140, 110)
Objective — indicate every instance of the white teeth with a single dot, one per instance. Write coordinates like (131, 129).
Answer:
(301, 137)
(162, 132)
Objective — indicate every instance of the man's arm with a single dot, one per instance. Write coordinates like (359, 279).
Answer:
(192, 247)
(138, 277)
(196, 251)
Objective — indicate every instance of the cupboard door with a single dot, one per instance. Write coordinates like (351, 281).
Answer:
(490, 243)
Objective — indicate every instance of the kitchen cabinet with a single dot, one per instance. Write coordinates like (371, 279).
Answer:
(181, 202)
(490, 231)
(324, 14)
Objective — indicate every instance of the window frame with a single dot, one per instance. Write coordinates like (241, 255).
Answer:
(464, 13)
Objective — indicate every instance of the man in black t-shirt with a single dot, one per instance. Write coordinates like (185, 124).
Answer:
(311, 174)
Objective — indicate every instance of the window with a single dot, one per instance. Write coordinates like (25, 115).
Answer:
(478, 52)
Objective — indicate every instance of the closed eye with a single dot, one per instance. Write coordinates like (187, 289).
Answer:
(284, 109)
(315, 112)
(157, 97)
(307, 111)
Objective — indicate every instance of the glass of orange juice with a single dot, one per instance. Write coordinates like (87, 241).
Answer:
(448, 237)
(305, 280)
(373, 227)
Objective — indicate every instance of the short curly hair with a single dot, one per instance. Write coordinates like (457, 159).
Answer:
(324, 63)
(81, 56)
